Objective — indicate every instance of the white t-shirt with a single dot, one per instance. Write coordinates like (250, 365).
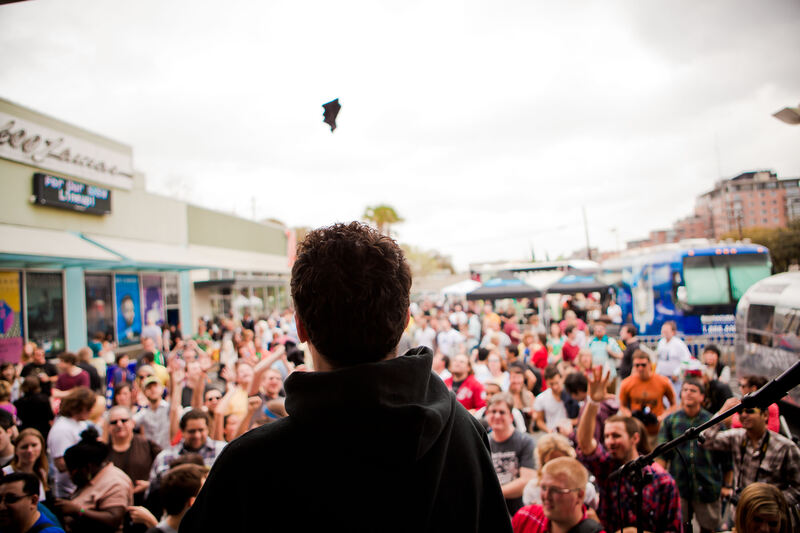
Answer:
(65, 433)
(554, 410)
(670, 356)
(449, 341)
(425, 337)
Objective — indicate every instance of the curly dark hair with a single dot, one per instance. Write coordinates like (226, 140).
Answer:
(87, 451)
(350, 286)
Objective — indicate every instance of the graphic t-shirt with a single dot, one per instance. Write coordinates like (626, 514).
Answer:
(636, 394)
(508, 457)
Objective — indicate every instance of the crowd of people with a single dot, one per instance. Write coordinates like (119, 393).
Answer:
(600, 400)
(105, 441)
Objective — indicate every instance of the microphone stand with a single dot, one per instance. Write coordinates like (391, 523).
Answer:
(762, 398)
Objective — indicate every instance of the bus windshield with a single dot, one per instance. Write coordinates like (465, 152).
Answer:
(721, 280)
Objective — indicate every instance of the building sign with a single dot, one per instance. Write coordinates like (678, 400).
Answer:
(29, 143)
(69, 194)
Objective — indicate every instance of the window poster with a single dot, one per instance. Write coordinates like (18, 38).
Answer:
(99, 306)
(129, 310)
(44, 303)
(153, 298)
(10, 318)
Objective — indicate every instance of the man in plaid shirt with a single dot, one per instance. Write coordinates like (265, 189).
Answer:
(660, 499)
(758, 453)
(697, 471)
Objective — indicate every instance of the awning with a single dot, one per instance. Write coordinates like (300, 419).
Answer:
(23, 247)
(574, 282)
(161, 256)
(26, 247)
(499, 289)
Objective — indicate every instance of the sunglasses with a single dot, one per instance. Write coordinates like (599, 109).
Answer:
(546, 488)
(10, 498)
(640, 365)
(751, 410)
(118, 421)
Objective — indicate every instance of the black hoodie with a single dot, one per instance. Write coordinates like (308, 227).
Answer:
(375, 447)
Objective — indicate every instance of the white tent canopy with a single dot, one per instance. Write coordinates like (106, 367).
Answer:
(461, 288)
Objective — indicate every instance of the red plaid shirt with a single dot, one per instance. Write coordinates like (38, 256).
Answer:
(531, 519)
(661, 504)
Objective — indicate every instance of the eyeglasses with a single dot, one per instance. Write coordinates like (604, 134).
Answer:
(546, 488)
(10, 498)
(118, 421)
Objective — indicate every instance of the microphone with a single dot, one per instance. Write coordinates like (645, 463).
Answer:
(774, 390)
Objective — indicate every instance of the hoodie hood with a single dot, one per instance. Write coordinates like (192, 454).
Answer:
(406, 406)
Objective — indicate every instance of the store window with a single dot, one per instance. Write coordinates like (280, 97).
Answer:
(44, 304)
(153, 298)
(172, 299)
(99, 306)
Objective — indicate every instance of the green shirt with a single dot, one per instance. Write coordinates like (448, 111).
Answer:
(699, 475)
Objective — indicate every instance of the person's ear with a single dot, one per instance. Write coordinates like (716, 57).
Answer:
(635, 438)
(35, 499)
(302, 334)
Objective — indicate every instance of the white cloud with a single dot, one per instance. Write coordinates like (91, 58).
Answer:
(487, 125)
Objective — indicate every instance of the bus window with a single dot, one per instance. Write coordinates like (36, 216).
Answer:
(760, 324)
(706, 281)
(745, 271)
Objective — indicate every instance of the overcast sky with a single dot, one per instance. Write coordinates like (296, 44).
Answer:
(487, 125)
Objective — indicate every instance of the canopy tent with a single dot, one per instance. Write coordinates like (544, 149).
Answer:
(575, 282)
(499, 288)
(460, 289)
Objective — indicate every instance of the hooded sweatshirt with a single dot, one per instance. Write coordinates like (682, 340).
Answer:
(374, 447)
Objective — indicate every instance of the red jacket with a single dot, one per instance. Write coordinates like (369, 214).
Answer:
(470, 394)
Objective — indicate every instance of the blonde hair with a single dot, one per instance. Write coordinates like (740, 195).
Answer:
(5, 391)
(550, 443)
(570, 468)
(761, 498)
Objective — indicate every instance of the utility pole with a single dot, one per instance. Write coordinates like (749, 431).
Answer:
(586, 231)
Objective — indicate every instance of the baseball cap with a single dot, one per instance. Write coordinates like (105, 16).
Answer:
(149, 380)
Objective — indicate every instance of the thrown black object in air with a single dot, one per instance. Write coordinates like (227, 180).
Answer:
(331, 110)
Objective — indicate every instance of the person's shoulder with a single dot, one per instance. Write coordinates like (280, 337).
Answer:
(279, 433)
(663, 381)
(782, 440)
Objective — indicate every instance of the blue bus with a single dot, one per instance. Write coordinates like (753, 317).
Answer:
(695, 283)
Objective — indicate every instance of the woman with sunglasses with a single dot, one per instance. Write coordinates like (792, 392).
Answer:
(30, 456)
(131, 453)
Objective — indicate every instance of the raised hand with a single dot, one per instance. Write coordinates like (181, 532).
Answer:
(598, 381)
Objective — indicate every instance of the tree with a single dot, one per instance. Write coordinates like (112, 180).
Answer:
(382, 216)
(783, 243)
(425, 262)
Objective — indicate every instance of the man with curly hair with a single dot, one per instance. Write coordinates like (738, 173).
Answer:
(374, 441)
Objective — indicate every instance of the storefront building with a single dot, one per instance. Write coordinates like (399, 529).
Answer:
(84, 249)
